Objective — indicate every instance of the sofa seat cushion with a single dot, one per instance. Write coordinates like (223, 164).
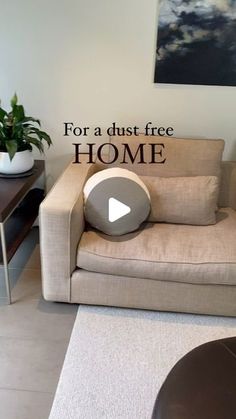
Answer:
(168, 252)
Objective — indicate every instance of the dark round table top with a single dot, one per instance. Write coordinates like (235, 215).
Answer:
(202, 385)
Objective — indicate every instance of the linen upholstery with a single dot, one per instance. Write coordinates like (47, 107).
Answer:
(61, 225)
(184, 157)
(167, 252)
(125, 291)
(183, 200)
(227, 170)
(227, 196)
(114, 172)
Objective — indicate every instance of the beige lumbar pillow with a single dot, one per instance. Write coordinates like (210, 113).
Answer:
(183, 200)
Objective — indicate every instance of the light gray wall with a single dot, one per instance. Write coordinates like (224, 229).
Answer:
(92, 62)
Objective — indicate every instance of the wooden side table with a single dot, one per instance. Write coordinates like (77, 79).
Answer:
(19, 205)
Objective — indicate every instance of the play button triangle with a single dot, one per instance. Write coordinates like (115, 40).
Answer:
(117, 210)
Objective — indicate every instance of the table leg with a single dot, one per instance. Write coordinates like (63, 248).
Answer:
(5, 262)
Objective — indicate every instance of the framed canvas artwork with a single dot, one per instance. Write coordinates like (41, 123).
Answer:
(196, 42)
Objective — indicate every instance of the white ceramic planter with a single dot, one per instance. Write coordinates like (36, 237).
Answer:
(21, 162)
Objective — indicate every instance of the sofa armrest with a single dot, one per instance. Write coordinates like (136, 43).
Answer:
(61, 219)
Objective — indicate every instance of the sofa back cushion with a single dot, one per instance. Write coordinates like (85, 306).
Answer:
(184, 157)
(183, 200)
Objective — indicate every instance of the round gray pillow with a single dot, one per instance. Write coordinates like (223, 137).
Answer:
(116, 201)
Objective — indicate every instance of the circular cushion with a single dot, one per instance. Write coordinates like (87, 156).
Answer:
(116, 201)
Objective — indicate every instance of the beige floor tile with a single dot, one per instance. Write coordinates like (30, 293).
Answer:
(24, 404)
(28, 286)
(30, 364)
(34, 260)
(34, 335)
(25, 284)
(37, 320)
(27, 257)
(14, 275)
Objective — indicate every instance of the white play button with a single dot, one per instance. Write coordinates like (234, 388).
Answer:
(117, 210)
(116, 201)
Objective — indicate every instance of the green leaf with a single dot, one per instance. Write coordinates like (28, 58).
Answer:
(18, 113)
(30, 119)
(19, 132)
(2, 114)
(45, 136)
(11, 146)
(2, 133)
(40, 134)
(35, 142)
(14, 101)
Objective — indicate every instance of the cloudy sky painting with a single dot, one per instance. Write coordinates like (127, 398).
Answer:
(196, 42)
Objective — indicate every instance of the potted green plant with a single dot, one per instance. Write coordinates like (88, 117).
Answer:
(18, 134)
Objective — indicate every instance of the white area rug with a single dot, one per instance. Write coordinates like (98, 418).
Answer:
(117, 359)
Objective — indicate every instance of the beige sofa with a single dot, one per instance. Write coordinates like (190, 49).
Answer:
(193, 271)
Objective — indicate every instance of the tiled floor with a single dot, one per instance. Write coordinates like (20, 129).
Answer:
(34, 335)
